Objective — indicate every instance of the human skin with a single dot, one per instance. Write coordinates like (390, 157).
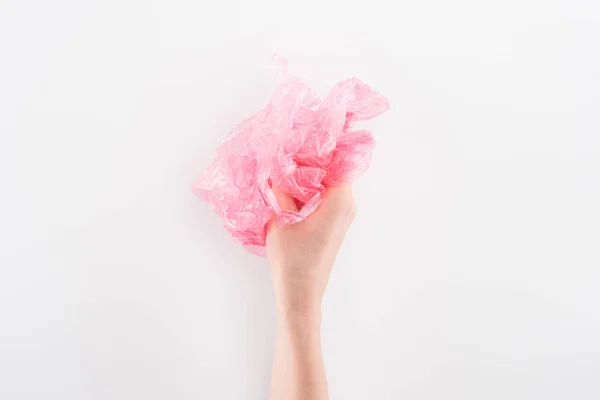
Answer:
(301, 257)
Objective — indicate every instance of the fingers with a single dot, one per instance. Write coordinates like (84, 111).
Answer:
(338, 203)
(285, 201)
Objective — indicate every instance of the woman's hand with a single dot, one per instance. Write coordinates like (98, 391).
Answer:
(301, 257)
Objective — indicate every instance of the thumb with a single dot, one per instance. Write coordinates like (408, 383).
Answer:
(285, 201)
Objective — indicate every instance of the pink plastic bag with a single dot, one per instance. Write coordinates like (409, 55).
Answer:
(298, 143)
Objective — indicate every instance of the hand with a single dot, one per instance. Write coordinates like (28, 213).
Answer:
(301, 255)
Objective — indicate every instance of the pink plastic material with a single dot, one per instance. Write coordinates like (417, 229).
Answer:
(298, 143)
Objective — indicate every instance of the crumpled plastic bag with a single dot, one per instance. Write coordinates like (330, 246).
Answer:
(298, 143)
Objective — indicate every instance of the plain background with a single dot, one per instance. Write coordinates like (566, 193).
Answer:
(471, 271)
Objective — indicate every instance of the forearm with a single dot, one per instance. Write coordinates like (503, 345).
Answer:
(298, 371)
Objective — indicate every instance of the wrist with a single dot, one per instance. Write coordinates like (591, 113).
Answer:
(298, 293)
(294, 300)
(299, 318)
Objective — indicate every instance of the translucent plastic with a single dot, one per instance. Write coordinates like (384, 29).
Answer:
(297, 142)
